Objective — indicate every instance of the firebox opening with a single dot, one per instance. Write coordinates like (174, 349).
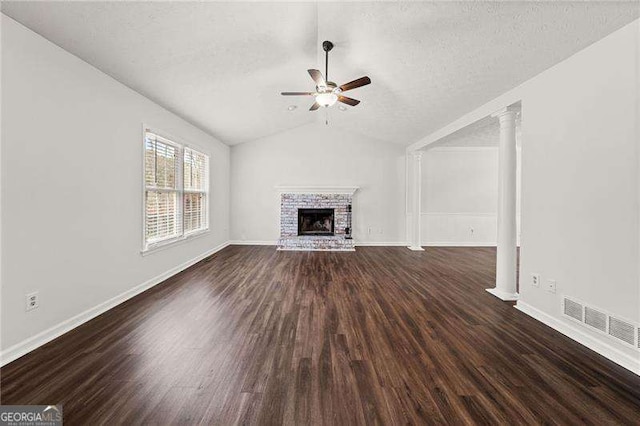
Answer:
(315, 222)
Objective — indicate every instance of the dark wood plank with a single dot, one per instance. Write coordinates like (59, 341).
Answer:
(379, 336)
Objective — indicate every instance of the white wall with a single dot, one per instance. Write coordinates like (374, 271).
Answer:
(318, 155)
(580, 183)
(71, 185)
(460, 196)
(580, 208)
(459, 193)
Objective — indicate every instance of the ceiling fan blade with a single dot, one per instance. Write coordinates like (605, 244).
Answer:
(297, 93)
(318, 78)
(348, 101)
(362, 81)
(314, 107)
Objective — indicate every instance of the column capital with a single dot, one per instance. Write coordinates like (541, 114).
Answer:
(416, 154)
(505, 113)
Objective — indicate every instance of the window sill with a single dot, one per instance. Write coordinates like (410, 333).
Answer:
(162, 245)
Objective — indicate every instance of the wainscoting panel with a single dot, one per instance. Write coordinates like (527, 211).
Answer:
(459, 228)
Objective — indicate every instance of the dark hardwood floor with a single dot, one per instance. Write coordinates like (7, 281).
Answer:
(379, 336)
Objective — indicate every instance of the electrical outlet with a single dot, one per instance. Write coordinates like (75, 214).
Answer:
(535, 280)
(551, 286)
(33, 301)
(369, 230)
(471, 230)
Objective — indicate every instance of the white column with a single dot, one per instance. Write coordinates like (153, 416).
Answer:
(506, 273)
(415, 188)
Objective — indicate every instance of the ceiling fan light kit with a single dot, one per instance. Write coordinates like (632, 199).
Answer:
(326, 99)
(327, 92)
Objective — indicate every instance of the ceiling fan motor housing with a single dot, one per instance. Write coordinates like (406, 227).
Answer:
(330, 87)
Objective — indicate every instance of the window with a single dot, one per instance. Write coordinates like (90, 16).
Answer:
(176, 180)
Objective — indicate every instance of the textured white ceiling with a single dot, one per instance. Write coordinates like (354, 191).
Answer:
(482, 133)
(221, 66)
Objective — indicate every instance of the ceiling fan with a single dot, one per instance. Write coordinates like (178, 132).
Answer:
(327, 92)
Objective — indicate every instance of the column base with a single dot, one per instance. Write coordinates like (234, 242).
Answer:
(503, 295)
(412, 248)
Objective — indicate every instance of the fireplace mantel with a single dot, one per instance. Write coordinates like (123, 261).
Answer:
(349, 190)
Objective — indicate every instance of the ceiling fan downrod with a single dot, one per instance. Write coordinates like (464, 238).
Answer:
(326, 46)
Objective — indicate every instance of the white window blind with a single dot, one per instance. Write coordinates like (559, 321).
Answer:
(176, 191)
(195, 169)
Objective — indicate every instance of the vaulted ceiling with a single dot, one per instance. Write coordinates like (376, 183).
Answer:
(222, 66)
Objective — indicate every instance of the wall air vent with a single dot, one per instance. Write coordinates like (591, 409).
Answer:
(599, 320)
(595, 319)
(572, 309)
(622, 330)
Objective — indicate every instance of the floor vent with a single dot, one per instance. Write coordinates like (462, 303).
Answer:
(595, 319)
(622, 330)
(573, 309)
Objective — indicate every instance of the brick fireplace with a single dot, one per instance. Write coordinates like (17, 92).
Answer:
(315, 218)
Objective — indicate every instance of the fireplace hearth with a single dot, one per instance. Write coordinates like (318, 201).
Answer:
(316, 222)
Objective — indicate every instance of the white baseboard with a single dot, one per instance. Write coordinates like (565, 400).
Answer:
(599, 346)
(459, 244)
(19, 349)
(252, 243)
(430, 244)
(380, 243)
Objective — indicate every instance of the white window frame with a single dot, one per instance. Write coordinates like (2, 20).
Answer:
(180, 145)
